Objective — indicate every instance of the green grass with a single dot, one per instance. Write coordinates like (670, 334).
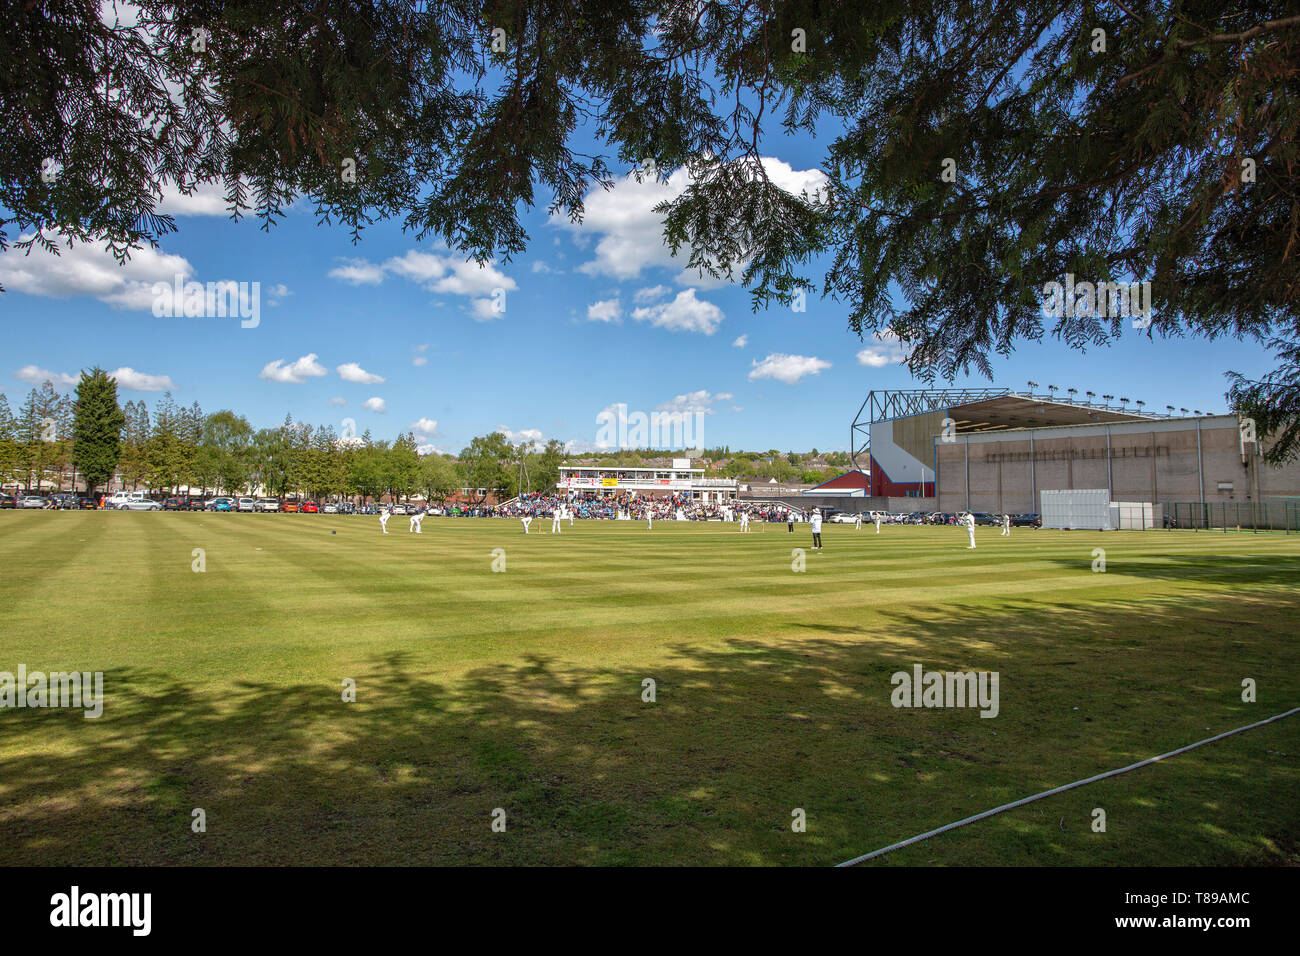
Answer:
(522, 690)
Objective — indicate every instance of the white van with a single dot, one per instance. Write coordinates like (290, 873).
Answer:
(120, 499)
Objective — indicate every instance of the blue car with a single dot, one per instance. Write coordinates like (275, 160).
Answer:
(222, 504)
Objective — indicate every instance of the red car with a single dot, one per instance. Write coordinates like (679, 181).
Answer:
(310, 508)
(290, 506)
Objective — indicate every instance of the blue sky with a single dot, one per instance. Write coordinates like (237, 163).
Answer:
(594, 315)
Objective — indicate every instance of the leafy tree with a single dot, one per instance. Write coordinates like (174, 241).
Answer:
(97, 428)
(271, 456)
(9, 451)
(38, 436)
(402, 467)
(484, 463)
(229, 437)
(439, 477)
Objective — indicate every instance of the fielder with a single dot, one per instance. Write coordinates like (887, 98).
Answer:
(857, 522)
(383, 520)
(649, 520)
(527, 520)
(555, 520)
(969, 522)
(877, 522)
(415, 522)
(568, 510)
(1006, 526)
(744, 521)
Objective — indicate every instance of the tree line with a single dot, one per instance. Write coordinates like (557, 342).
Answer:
(89, 436)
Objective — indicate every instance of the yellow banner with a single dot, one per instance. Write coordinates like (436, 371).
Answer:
(609, 482)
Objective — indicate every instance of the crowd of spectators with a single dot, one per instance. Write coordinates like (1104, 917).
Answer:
(624, 505)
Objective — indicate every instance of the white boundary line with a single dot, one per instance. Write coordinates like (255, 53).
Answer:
(1068, 786)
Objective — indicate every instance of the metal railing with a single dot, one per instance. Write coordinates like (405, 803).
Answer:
(1224, 516)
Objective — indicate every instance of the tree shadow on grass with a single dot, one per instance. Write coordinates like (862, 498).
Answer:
(741, 734)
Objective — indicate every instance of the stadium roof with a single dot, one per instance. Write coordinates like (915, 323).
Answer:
(852, 479)
(987, 409)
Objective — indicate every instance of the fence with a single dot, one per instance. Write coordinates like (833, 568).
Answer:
(1276, 515)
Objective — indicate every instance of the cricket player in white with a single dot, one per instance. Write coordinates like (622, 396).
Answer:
(383, 519)
(649, 520)
(1006, 526)
(527, 520)
(744, 521)
(415, 523)
(555, 520)
(857, 522)
(568, 511)
(969, 522)
(877, 522)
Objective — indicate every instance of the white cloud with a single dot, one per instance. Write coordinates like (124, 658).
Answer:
(533, 436)
(358, 272)
(38, 376)
(419, 360)
(887, 351)
(484, 310)
(698, 401)
(352, 372)
(294, 374)
(684, 314)
(631, 233)
(375, 404)
(650, 294)
(89, 270)
(208, 199)
(724, 396)
(140, 382)
(482, 284)
(606, 310)
(425, 428)
(337, 402)
(540, 266)
(277, 294)
(787, 368)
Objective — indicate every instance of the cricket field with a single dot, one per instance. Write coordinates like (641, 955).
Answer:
(504, 711)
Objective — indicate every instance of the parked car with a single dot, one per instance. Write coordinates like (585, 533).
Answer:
(291, 507)
(1027, 521)
(86, 504)
(310, 507)
(268, 504)
(246, 504)
(221, 504)
(983, 518)
(330, 508)
(140, 504)
(173, 504)
(8, 501)
(31, 501)
(843, 518)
